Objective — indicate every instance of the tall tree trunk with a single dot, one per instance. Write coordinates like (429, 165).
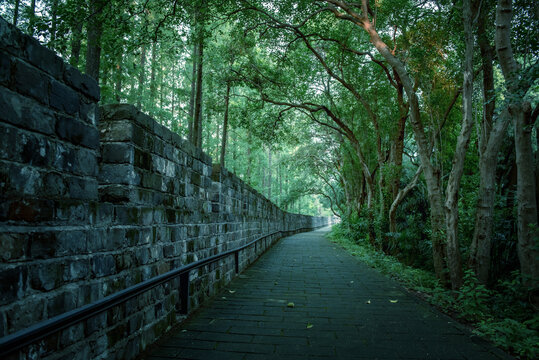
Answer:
(197, 116)
(192, 96)
(490, 141)
(118, 75)
(225, 126)
(463, 140)
(280, 170)
(153, 85)
(54, 10)
(16, 12)
(520, 112)
(249, 160)
(32, 20)
(269, 173)
(141, 76)
(95, 30)
(76, 39)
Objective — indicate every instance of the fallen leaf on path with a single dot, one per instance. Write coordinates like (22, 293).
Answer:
(224, 298)
(290, 305)
(211, 322)
(367, 302)
(309, 325)
(393, 301)
(232, 291)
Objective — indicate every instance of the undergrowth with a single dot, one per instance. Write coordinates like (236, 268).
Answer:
(502, 314)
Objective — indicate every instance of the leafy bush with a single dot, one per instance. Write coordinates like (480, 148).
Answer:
(512, 335)
(472, 298)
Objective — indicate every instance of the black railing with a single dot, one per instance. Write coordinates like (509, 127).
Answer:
(16, 341)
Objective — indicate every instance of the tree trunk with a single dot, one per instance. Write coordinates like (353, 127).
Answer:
(54, 10)
(249, 161)
(490, 141)
(191, 120)
(118, 75)
(401, 195)
(76, 40)
(225, 126)
(520, 112)
(269, 173)
(197, 115)
(463, 140)
(153, 85)
(32, 20)
(141, 76)
(95, 30)
(16, 12)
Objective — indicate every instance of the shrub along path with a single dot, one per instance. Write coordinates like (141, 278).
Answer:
(308, 298)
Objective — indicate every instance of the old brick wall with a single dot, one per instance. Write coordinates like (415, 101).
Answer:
(94, 202)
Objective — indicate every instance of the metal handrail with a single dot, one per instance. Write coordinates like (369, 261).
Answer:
(16, 341)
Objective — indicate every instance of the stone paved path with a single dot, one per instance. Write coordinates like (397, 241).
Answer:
(342, 310)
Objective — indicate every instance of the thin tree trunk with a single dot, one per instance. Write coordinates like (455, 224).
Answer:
(269, 173)
(32, 20)
(197, 126)
(520, 112)
(453, 184)
(225, 126)
(16, 12)
(401, 195)
(95, 30)
(118, 74)
(76, 40)
(192, 96)
(490, 141)
(141, 76)
(153, 85)
(249, 161)
(54, 10)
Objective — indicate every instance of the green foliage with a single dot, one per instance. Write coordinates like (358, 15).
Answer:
(512, 335)
(472, 298)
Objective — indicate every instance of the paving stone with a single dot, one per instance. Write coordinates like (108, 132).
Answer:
(330, 318)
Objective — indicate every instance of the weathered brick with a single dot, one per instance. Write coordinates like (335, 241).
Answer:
(43, 58)
(103, 265)
(25, 314)
(54, 185)
(29, 210)
(11, 39)
(26, 113)
(13, 283)
(89, 112)
(5, 69)
(82, 188)
(115, 193)
(118, 174)
(47, 276)
(12, 246)
(77, 132)
(117, 153)
(30, 81)
(77, 269)
(81, 82)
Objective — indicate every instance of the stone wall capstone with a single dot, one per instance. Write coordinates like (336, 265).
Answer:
(93, 201)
